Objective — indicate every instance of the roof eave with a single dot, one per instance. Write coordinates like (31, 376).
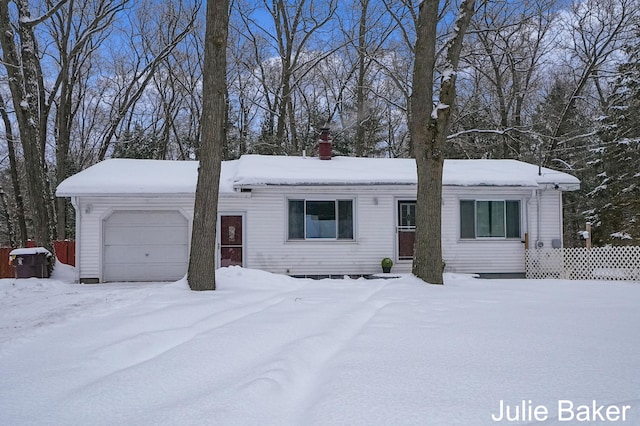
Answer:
(239, 187)
(565, 187)
(123, 194)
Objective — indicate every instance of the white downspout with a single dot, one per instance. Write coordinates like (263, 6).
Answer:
(561, 230)
(526, 214)
(538, 219)
(76, 206)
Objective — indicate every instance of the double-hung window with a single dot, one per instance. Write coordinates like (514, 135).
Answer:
(489, 219)
(320, 219)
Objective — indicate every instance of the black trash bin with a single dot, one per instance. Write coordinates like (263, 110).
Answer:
(31, 262)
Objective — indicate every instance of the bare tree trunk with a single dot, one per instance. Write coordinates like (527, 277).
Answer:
(63, 141)
(360, 89)
(202, 268)
(24, 83)
(15, 181)
(7, 216)
(293, 131)
(429, 129)
(429, 166)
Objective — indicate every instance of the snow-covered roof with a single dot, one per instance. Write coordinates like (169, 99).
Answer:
(257, 170)
(156, 177)
(124, 176)
(30, 250)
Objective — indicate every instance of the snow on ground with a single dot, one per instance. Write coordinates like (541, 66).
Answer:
(266, 349)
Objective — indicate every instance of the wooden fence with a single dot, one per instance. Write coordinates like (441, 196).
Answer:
(599, 263)
(65, 253)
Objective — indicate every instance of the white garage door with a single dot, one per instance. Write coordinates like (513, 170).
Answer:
(145, 246)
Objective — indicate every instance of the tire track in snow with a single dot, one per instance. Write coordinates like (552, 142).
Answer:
(294, 372)
(149, 344)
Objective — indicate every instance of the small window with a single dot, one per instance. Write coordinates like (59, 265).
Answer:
(407, 214)
(296, 219)
(489, 219)
(320, 219)
(345, 220)
(467, 219)
(512, 212)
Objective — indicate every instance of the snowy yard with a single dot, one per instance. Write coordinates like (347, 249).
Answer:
(271, 350)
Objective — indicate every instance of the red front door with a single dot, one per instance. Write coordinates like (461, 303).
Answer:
(231, 240)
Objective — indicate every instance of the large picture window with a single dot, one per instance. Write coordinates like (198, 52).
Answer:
(490, 219)
(321, 219)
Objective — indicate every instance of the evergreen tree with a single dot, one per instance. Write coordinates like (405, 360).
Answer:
(571, 152)
(617, 197)
(136, 144)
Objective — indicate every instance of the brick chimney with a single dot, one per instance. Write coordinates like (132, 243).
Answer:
(324, 144)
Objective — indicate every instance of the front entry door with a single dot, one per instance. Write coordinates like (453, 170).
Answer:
(231, 240)
(406, 229)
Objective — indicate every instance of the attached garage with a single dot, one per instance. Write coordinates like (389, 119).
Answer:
(145, 245)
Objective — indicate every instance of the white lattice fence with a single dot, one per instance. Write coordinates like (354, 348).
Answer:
(600, 263)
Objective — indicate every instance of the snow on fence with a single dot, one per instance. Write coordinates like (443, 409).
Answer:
(600, 263)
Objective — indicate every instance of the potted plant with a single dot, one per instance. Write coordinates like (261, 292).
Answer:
(386, 263)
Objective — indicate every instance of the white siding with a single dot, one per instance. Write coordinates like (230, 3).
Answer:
(550, 217)
(375, 210)
(267, 247)
(499, 255)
